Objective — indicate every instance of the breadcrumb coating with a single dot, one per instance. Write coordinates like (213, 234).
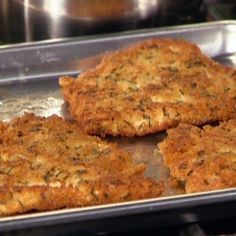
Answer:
(151, 86)
(48, 163)
(202, 158)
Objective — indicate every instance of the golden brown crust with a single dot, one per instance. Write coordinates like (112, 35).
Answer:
(203, 159)
(48, 163)
(2, 129)
(149, 87)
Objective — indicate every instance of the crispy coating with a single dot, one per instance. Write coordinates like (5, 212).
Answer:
(48, 163)
(149, 87)
(202, 158)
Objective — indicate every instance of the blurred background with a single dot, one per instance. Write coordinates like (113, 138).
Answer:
(33, 20)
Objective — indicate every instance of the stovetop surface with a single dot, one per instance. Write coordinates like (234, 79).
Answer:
(225, 227)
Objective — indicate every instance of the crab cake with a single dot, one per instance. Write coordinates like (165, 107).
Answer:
(202, 158)
(151, 86)
(48, 163)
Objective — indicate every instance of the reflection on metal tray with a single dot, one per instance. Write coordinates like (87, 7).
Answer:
(29, 83)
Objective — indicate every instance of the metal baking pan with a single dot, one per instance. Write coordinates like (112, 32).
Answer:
(29, 83)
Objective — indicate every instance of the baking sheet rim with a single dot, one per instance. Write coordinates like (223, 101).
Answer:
(122, 34)
(159, 201)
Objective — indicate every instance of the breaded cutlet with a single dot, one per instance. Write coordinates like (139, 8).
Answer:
(48, 163)
(151, 86)
(202, 159)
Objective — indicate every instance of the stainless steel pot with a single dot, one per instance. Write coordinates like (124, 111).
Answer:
(45, 19)
(94, 10)
(64, 18)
